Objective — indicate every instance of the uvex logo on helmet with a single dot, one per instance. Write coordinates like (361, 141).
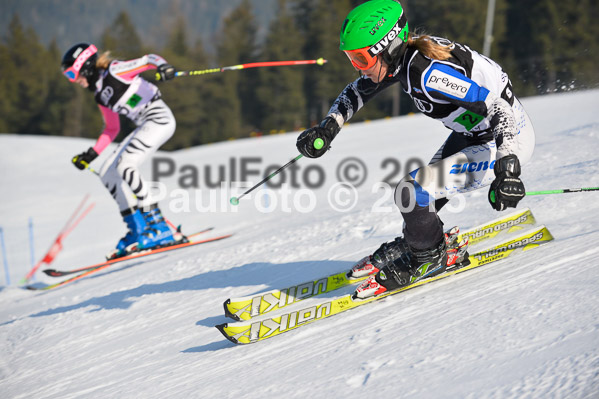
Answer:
(385, 41)
(84, 56)
(377, 26)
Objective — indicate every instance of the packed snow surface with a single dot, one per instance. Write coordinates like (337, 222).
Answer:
(526, 327)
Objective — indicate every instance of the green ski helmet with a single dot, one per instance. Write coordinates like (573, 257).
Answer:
(374, 27)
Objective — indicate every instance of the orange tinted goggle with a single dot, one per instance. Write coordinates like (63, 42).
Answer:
(361, 58)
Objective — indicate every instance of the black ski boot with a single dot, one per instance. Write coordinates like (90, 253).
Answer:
(410, 266)
(390, 251)
(385, 255)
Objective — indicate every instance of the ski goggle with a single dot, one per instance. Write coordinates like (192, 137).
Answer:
(72, 72)
(361, 58)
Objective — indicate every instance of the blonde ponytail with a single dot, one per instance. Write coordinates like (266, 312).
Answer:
(429, 47)
(104, 60)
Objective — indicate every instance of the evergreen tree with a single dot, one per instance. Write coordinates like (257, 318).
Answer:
(181, 94)
(207, 129)
(556, 47)
(56, 114)
(177, 43)
(462, 21)
(580, 45)
(280, 90)
(25, 79)
(246, 85)
(121, 38)
(321, 26)
(235, 45)
(123, 43)
(544, 45)
(9, 90)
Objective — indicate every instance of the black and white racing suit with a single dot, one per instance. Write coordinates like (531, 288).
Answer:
(472, 96)
(120, 91)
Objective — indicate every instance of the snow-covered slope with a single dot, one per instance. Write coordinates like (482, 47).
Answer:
(526, 327)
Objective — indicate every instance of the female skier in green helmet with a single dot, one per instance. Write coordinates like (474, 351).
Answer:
(491, 135)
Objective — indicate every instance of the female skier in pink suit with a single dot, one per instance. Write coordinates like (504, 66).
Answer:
(119, 90)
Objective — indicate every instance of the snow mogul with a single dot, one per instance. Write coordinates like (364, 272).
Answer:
(491, 136)
(119, 90)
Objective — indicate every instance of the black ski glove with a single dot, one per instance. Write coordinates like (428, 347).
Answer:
(83, 160)
(507, 188)
(326, 131)
(165, 72)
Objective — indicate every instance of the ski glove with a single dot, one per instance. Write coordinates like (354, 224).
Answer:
(308, 143)
(507, 188)
(83, 160)
(166, 72)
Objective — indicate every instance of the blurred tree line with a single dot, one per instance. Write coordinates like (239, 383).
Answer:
(544, 45)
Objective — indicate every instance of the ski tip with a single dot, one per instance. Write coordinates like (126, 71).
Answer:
(51, 272)
(221, 328)
(35, 286)
(228, 312)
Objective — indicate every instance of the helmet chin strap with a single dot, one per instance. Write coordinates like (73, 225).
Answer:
(394, 61)
(92, 79)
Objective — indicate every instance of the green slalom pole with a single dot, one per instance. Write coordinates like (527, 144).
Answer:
(318, 144)
(563, 191)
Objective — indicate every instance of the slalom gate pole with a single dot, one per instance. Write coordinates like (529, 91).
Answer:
(235, 200)
(4, 258)
(563, 191)
(31, 243)
(56, 246)
(79, 219)
(319, 61)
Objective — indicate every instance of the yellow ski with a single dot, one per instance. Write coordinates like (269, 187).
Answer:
(246, 308)
(254, 331)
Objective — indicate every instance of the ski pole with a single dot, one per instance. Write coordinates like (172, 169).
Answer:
(318, 144)
(319, 61)
(563, 191)
(235, 200)
(95, 172)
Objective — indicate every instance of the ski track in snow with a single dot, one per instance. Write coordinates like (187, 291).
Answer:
(526, 327)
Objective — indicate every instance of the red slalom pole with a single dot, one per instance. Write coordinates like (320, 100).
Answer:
(56, 246)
